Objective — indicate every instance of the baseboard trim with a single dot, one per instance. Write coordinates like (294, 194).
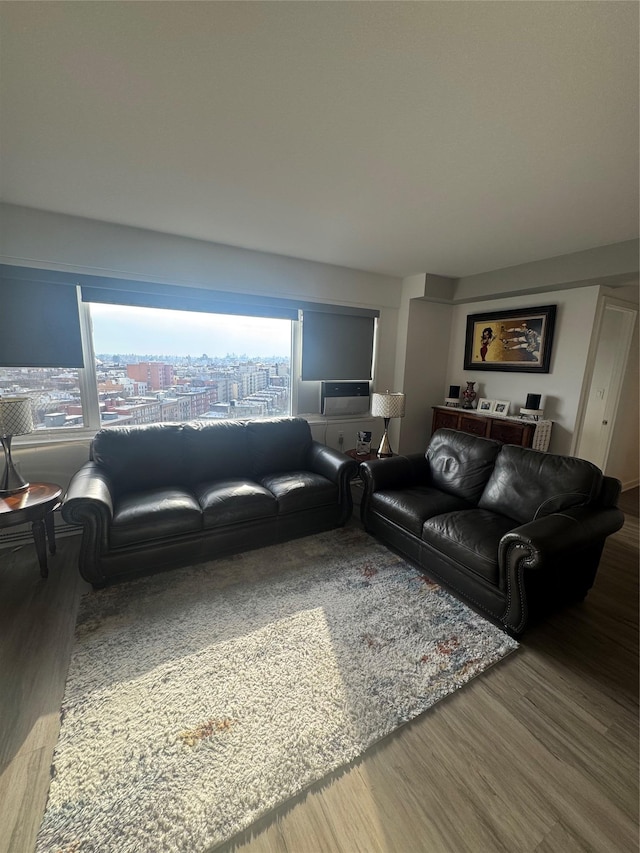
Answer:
(632, 484)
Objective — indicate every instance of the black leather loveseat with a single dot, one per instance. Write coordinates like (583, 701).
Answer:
(511, 531)
(166, 495)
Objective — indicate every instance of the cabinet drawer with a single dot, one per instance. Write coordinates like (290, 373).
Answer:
(511, 433)
(445, 420)
(475, 426)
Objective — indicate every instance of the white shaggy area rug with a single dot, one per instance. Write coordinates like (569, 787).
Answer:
(199, 699)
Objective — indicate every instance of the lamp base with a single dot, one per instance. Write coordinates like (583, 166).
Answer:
(384, 450)
(11, 481)
(5, 493)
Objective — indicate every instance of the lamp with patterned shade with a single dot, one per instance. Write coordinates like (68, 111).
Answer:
(388, 405)
(15, 419)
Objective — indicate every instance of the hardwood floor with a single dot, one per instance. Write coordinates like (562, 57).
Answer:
(539, 754)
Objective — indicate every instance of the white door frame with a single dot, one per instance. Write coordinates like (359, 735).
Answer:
(605, 300)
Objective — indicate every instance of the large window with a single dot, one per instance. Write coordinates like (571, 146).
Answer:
(156, 364)
(91, 351)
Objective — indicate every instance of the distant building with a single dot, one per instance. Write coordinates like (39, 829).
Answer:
(156, 374)
(170, 409)
(109, 386)
(61, 419)
(54, 419)
(143, 412)
(200, 400)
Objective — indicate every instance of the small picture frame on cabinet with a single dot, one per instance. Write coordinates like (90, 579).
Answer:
(501, 407)
(486, 406)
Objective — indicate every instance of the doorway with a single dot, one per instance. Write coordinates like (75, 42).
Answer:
(608, 364)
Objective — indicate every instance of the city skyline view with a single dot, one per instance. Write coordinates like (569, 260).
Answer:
(128, 330)
(154, 365)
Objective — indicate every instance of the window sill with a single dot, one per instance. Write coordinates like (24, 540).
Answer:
(42, 437)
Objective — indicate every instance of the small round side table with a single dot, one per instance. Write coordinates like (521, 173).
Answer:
(361, 457)
(36, 504)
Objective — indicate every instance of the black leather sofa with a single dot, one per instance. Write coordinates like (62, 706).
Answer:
(511, 531)
(166, 495)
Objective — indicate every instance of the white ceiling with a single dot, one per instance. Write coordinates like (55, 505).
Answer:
(400, 137)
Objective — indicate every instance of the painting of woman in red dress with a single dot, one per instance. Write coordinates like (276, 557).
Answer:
(487, 338)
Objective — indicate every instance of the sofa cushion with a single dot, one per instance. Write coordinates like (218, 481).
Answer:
(141, 457)
(410, 507)
(216, 450)
(470, 537)
(300, 490)
(230, 501)
(461, 464)
(154, 514)
(527, 484)
(277, 445)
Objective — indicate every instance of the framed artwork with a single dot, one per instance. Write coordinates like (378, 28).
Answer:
(518, 340)
(485, 405)
(501, 407)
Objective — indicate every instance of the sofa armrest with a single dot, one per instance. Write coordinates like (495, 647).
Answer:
(394, 472)
(610, 492)
(89, 493)
(572, 540)
(89, 503)
(332, 464)
(562, 531)
(338, 468)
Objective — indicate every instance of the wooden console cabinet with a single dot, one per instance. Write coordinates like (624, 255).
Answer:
(507, 430)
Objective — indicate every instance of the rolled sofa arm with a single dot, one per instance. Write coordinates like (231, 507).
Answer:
(579, 532)
(89, 503)
(332, 464)
(338, 468)
(561, 531)
(610, 492)
(394, 472)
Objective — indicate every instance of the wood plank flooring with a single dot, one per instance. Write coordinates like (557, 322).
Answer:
(538, 755)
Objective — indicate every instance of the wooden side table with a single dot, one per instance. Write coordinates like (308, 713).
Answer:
(361, 457)
(35, 504)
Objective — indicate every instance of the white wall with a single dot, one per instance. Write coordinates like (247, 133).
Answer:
(611, 264)
(427, 351)
(431, 334)
(561, 387)
(40, 239)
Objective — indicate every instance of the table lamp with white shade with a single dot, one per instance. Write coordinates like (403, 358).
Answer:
(388, 405)
(15, 419)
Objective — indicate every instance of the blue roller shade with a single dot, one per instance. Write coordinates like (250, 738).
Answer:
(39, 325)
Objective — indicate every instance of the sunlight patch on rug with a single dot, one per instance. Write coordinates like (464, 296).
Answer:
(201, 698)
